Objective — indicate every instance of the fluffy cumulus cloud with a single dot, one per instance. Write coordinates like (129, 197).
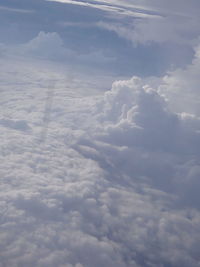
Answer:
(46, 45)
(50, 46)
(107, 179)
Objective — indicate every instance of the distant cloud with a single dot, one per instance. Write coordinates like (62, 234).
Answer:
(45, 45)
(123, 10)
(18, 10)
(181, 86)
(158, 30)
(153, 21)
(50, 46)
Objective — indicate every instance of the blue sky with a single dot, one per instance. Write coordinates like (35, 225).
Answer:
(99, 133)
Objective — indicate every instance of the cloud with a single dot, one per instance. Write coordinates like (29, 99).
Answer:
(50, 47)
(178, 7)
(114, 8)
(18, 125)
(144, 144)
(94, 177)
(18, 10)
(157, 30)
(45, 44)
(157, 21)
(181, 87)
(150, 21)
(114, 184)
(152, 51)
(141, 9)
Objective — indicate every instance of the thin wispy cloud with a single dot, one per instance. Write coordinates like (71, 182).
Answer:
(119, 9)
(18, 10)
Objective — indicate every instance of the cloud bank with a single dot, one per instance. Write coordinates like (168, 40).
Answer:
(93, 176)
(115, 182)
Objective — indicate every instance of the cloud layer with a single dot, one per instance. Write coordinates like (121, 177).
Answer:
(92, 176)
(114, 181)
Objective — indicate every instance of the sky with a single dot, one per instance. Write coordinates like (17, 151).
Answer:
(100, 133)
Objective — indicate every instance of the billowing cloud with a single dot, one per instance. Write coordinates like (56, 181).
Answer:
(114, 182)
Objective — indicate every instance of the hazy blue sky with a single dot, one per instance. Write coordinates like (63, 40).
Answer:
(99, 133)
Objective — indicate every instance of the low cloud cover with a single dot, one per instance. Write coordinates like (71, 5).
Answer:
(99, 169)
(115, 183)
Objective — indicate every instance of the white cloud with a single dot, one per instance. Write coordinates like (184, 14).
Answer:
(159, 30)
(50, 46)
(181, 87)
(92, 178)
(45, 44)
(115, 8)
(152, 21)
(178, 7)
(115, 183)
